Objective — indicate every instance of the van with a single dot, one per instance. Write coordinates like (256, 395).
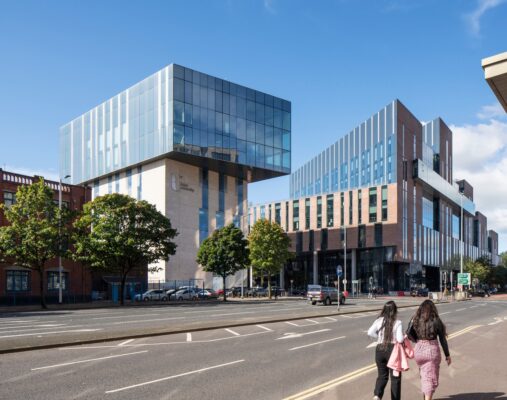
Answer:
(323, 294)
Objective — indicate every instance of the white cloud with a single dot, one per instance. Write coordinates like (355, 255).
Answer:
(50, 174)
(480, 157)
(494, 110)
(474, 18)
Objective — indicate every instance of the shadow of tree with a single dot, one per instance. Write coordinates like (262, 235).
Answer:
(476, 396)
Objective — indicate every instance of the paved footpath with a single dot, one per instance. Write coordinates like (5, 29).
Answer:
(478, 370)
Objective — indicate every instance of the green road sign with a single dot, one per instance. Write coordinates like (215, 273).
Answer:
(464, 279)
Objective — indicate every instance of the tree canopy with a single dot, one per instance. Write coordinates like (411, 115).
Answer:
(36, 230)
(119, 234)
(269, 248)
(224, 253)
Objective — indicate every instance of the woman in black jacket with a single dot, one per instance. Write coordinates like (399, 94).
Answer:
(424, 328)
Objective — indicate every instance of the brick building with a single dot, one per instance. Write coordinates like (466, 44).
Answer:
(390, 185)
(20, 285)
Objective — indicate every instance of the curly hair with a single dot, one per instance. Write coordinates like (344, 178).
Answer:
(426, 321)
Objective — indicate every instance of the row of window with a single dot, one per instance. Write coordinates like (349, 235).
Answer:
(19, 281)
(10, 200)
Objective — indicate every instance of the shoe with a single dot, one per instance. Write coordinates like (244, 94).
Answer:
(376, 398)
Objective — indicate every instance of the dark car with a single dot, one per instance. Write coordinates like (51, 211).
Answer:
(419, 292)
(479, 293)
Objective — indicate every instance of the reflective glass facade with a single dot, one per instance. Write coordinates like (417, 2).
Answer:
(366, 156)
(184, 114)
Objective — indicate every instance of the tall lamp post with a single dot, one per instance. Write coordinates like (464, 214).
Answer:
(60, 292)
(461, 244)
(344, 257)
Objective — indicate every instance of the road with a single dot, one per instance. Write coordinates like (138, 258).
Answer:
(259, 361)
(27, 329)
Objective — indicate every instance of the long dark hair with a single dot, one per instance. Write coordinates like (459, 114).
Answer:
(426, 321)
(389, 313)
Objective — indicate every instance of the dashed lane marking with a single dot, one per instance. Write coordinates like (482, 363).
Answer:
(126, 342)
(291, 323)
(233, 332)
(317, 343)
(311, 320)
(331, 319)
(298, 335)
(48, 333)
(189, 336)
(88, 360)
(263, 327)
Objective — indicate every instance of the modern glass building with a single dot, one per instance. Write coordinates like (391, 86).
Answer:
(388, 183)
(185, 141)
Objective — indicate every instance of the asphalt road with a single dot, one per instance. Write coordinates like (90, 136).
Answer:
(28, 329)
(260, 361)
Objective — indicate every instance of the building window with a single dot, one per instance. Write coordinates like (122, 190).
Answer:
(239, 193)
(95, 188)
(220, 219)
(342, 207)
(361, 238)
(53, 280)
(139, 182)
(287, 216)
(378, 235)
(263, 212)
(109, 184)
(330, 210)
(350, 207)
(9, 199)
(117, 183)
(129, 181)
(384, 203)
(269, 212)
(295, 215)
(221, 192)
(278, 214)
(17, 281)
(319, 212)
(359, 207)
(373, 204)
(307, 213)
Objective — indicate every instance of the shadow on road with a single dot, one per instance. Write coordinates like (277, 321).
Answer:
(475, 396)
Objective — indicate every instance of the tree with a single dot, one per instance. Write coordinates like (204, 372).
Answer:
(479, 269)
(35, 231)
(224, 253)
(269, 248)
(119, 234)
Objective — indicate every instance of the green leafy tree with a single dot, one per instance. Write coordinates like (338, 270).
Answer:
(480, 269)
(269, 248)
(224, 253)
(119, 234)
(35, 231)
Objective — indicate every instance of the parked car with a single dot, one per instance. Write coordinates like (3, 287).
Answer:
(185, 294)
(207, 294)
(152, 294)
(419, 292)
(324, 294)
(220, 292)
(479, 293)
(170, 292)
(259, 291)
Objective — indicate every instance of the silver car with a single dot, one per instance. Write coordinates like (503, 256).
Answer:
(152, 294)
(185, 294)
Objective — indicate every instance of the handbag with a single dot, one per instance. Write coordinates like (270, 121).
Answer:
(411, 333)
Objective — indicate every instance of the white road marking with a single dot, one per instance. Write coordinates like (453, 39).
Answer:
(174, 376)
(497, 321)
(49, 333)
(443, 313)
(461, 309)
(125, 316)
(233, 332)
(298, 335)
(28, 327)
(311, 320)
(291, 323)
(331, 319)
(126, 342)
(140, 321)
(346, 316)
(316, 343)
(374, 344)
(263, 327)
(88, 360)
(189, 337)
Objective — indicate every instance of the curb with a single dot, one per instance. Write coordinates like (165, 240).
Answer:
(176, 331)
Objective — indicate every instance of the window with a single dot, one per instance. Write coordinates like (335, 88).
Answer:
(330, 210)
(384, 203)
(9, 199)
(359, 207)
(139, 182)
(129, 181)
(319, 212)
(307, 213)
(295, 215)
(53, 280)
(361, 238)
(373, 204)
(378, 235)
(109, 184)
(278, 216)
(17, 281)
(287, 216)
(117, 183)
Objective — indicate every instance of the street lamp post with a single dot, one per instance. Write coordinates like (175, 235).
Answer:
(60, 292)
(461, 243)
(344, 257)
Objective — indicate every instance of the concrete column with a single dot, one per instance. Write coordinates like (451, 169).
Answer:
(353, 266)
(282, 275)
(315, 268)
(251, 276)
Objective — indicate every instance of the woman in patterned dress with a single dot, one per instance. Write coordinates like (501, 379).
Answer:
(424, 328)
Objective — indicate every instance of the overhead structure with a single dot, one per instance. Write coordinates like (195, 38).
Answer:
(495, 71)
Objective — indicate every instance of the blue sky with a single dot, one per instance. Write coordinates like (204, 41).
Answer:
(337, 61)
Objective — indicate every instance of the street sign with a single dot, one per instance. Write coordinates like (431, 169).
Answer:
(344, 281)
(339, 271)
(464, 279)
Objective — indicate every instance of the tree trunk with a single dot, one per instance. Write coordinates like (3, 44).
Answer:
(41, 286)
(122, 288)
(225, 295)
(269, 285)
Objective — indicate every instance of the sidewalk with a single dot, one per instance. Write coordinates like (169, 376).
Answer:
(477, 372)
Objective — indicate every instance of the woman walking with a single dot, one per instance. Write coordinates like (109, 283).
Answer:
(424, 328)
(387, 330)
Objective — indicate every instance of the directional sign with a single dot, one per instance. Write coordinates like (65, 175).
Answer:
(464, 279)
(339, 271)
